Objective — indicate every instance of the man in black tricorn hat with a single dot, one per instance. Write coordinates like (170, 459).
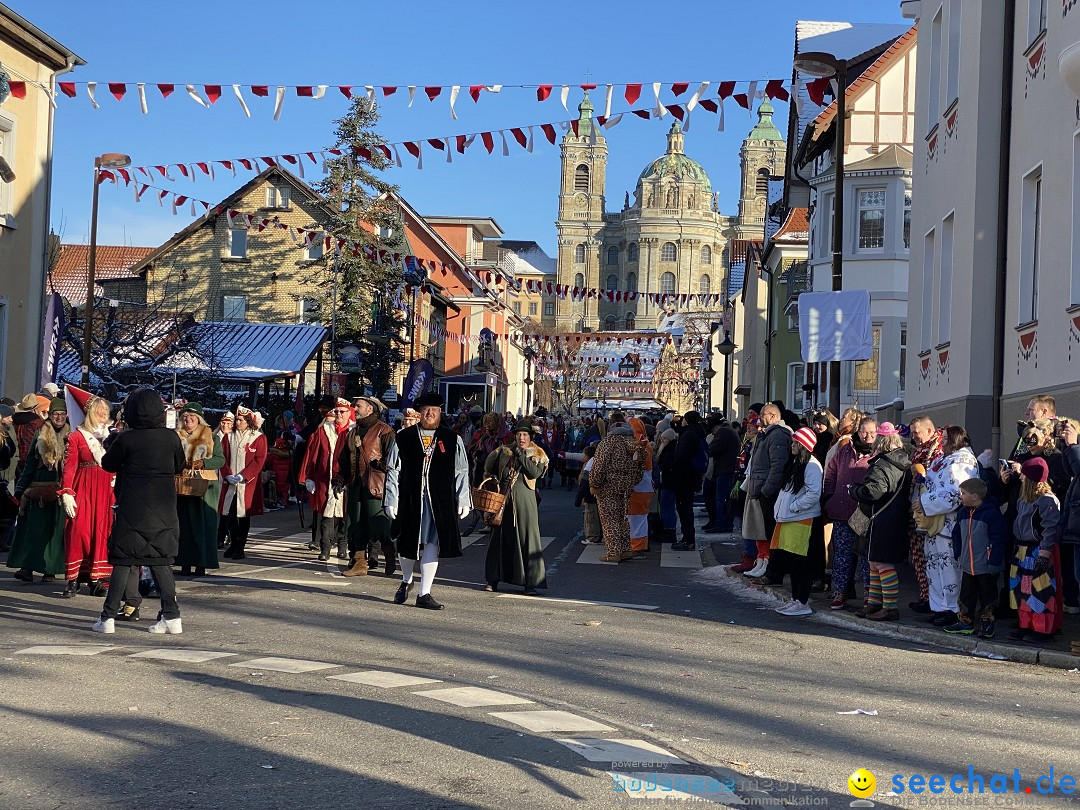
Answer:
(427, 491)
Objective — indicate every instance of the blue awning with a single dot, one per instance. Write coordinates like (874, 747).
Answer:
(246, 351)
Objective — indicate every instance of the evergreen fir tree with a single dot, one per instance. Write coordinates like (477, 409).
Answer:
(359, 305)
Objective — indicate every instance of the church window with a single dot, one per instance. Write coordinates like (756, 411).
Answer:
(631, 321)
(581, 178)
(579, 280)
(610, 323)
(667, 283)
(763, 182)
(705, 285)
(612, 255)
(612, 282)
(667, 252)
(631, 282)
(706, 255)
(631, 252)
(579, 254)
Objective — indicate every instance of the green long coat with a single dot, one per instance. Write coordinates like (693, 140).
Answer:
(514, 553)
(199, 519)
(39, 535)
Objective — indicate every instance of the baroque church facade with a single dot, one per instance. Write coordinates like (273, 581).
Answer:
(670, 239)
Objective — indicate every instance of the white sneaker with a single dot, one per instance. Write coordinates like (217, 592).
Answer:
(105, 626)
(170, 626)
(797, 609)
(783, 609)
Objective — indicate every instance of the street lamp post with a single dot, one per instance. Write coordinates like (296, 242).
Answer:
(726, 348)
(530, 355)
(817, 63)
(109, 160)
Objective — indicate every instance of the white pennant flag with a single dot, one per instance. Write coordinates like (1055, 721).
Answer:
(370, 95)
(494, 88)
(300, 166)
(191, 91)
(174, 205)
(320, 90)
(796, 93)
(610, 122)
(453, 100)
(279, 101)
(397, 155)
(720, 126)
(90, 88)
(659, 111)
(686, 123)
(751, 97)
(449, 150)
(506, 149)
(240, 98)
(529, 144)
(694, 99)
(142, 96)
(323, 156)
(412, 93)
(191, 208)
(419, 154)
(563, 95)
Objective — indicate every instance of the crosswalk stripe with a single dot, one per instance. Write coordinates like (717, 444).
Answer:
(293, 666)
(679, 559)
(179, 654)
(600, 750)
(591, 555)
(387, 680)
(592, 602)
(543, 721)
(65, 649)
(472, 696)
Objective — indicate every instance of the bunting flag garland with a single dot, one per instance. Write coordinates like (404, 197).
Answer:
(522, 135)
(207, 95)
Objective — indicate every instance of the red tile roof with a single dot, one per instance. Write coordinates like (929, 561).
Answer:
(796, 226)
(112, 261)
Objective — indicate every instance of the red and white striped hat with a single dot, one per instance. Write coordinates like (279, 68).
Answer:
(806, 437)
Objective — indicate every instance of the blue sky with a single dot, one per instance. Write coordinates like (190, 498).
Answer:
(419, 43)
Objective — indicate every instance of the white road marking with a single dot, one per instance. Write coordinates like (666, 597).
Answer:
(679, 559)
(190, 656)
(387, 680)
(598, 750)
(472, 696)
(66, 649)
(291, 665)
(591, 555)
(592, 602)
(549, 721)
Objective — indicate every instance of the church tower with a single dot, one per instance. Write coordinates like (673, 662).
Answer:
(762, 157)
(581, 215)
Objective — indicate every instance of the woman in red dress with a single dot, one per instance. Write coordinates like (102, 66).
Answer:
(87, 498)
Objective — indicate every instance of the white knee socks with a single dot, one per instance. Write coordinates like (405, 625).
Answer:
(429, 564)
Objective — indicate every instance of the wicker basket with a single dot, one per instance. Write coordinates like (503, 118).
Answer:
(487, 500)
(191, 484)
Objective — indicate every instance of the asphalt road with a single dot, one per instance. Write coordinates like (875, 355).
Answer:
(705, 684)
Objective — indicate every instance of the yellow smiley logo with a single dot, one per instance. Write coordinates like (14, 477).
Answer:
(861, 783)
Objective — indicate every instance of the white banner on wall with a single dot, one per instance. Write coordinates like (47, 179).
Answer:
(835, 326)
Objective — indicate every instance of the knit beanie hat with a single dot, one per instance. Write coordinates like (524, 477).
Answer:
(1035, 469)
(806, 437)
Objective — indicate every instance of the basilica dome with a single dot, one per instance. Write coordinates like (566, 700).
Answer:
(674, 164)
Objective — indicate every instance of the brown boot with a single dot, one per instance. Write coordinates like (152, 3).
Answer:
(390, 553)
(359, 566)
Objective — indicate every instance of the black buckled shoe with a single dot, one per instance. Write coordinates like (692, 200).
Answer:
(426, 601)
(123, 616)
(402, 593)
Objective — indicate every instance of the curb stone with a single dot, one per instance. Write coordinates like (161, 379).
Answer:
(937, 638)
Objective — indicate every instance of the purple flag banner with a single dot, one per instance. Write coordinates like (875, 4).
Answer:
(54, 328)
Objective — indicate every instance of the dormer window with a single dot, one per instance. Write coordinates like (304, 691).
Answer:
(278, 197)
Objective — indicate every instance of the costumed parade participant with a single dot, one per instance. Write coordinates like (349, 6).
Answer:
(241, 496)
(87, 495)
(427, 491)
(363, 463)
(321, 473)
(198, 513)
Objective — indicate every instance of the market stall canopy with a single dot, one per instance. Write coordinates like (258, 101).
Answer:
(246, 351)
